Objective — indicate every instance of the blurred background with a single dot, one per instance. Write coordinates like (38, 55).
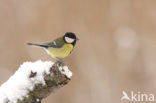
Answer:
(116, 51)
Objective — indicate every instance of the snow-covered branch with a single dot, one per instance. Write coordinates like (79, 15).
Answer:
(34, 81)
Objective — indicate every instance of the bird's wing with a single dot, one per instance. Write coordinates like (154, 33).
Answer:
(58, 43)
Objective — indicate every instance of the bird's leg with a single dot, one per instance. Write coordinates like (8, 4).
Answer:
(60, 62)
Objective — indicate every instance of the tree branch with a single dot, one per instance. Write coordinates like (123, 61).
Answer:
(34, 81)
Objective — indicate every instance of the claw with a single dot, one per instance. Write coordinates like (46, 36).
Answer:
(60, 62)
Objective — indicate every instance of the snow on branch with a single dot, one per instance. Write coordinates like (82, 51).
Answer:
(34, 81)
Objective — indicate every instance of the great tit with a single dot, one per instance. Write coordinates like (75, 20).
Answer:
(60, 47)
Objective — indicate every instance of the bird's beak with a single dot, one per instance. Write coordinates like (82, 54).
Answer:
(77, 39)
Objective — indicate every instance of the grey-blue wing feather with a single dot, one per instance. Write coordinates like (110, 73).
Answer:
(58, 43)
(53, 44)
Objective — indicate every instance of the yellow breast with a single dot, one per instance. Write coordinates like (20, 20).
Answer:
(60, 52)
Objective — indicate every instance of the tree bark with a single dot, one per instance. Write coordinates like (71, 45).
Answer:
(53, 81)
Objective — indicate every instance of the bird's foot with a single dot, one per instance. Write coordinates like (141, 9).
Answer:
(60, 62)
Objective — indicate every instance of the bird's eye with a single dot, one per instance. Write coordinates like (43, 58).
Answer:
(69, 40)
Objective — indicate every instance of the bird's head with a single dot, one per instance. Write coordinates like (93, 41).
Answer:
(70, 38)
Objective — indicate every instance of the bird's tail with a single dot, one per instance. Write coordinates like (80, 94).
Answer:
(38, 45)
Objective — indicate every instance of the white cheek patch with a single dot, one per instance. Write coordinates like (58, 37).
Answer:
(69, 40)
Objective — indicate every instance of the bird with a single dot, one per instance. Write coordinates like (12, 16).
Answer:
(60, 47)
